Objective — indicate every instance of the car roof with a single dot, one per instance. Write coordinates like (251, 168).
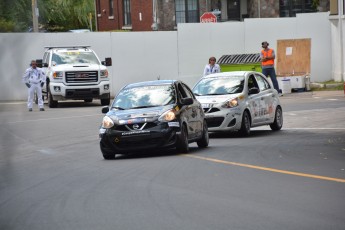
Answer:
(230, 73)
(147, 83)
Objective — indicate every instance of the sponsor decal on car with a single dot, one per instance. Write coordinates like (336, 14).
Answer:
(174, 124)
(135, 132)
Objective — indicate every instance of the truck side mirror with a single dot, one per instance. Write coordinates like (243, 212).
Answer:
(39, 63)
(107, 62)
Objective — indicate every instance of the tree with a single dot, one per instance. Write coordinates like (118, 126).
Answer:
(54, 15)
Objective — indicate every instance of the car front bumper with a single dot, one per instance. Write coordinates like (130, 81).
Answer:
(224, 120)
(121, 142)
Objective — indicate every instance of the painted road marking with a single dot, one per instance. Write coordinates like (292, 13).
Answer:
(266, 169)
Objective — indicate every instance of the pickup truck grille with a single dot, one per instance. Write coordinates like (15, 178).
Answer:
(82, 77)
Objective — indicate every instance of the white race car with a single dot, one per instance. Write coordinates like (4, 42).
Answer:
(237, 101)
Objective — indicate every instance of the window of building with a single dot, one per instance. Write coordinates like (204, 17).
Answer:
(111, 8)
(187, 11)
(289, 8)
(127, 12)
(98, 6)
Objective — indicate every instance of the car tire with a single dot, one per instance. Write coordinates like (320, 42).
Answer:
(245, 125)
(105, 101)
(278, 120)
(182, 145)
(51, 102)
(107, 154)
(203, 142)
(88, 100)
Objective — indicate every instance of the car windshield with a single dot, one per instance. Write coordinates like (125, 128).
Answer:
(145, 96)
(219, 85)
(74, 57)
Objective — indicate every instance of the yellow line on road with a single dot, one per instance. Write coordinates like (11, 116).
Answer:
(266, 169)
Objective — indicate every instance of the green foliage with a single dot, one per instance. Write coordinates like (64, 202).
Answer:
(315, 4)
(54, 15)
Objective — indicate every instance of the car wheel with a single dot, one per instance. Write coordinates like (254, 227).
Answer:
(278, 120)
(107, 153)
(203, 142)
(245, 125)
(88, 100)
(51, 102)
(182, 145)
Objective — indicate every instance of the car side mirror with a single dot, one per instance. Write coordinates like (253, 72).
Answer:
(105, 109)
(107, 62)
(254, 90)
(187, 101)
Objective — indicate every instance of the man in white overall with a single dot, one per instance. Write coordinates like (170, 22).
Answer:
(34, 79)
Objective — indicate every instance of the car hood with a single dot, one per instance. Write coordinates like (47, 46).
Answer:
(132, 116)
(215, 99)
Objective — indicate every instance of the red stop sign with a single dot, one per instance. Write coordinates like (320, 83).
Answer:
(208, 17)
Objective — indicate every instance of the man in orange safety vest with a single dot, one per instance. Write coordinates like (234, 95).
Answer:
(267, 56)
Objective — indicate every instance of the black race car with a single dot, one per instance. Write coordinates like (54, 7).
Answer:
(150, 115)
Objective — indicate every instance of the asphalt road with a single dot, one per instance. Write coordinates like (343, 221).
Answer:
(53, 176)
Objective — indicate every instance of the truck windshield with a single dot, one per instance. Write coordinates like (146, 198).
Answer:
(74, 57)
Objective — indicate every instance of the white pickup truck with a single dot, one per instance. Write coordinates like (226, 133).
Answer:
(75, 73)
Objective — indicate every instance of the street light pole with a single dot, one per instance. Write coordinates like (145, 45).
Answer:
(35, 15)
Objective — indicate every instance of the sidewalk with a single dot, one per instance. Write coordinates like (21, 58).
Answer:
(321, 93)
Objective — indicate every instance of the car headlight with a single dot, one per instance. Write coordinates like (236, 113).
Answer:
(104, 73)
(231, 103)
(168, 116)
(57, 74)
(107, 122)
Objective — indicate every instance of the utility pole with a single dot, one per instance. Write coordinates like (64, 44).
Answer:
(35, 15)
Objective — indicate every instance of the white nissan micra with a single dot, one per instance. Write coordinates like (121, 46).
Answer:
(237, 101)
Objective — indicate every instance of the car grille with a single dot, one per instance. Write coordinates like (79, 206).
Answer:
(211, 110)
(82, 77)
(140, 126)
(214, 121)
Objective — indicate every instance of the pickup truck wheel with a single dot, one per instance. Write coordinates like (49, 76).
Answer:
(105, 101)
(51, 102)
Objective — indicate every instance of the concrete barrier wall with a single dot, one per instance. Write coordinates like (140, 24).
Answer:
(181, 54)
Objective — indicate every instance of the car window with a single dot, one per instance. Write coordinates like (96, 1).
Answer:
(145, 96)
(182, 93)
(46, 57)
(262, 82)
(252, 82)
(188, 91)
(219, 85)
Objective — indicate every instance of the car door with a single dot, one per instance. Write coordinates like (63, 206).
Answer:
(254, 100)
(267, 99)
(187, 112)
(197, 112)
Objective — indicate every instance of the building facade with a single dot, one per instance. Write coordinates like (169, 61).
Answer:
(164, 15)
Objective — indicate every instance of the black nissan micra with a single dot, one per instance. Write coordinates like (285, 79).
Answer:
(151, 115)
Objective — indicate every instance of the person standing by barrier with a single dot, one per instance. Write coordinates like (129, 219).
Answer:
(267, 56)
(211, 67)
(34, 79)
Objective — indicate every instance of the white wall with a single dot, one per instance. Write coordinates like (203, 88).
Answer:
(181, 54)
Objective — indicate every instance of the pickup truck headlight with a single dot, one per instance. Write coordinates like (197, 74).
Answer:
(168, 116)
(57, 74)
(107, 122)
(104, 73)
